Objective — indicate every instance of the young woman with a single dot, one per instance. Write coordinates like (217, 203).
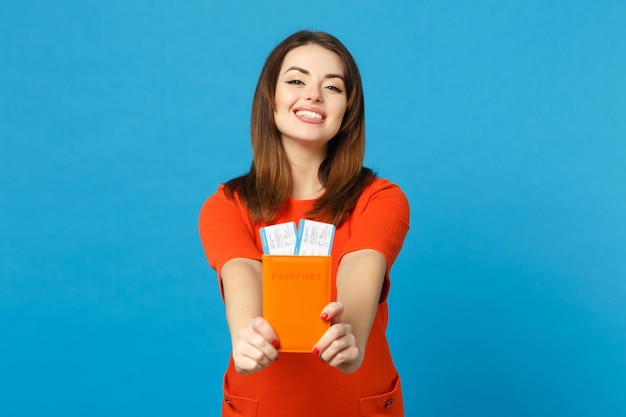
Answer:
(308, 143)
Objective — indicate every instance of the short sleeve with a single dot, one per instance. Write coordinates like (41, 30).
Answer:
(380, 221)
(225, 231)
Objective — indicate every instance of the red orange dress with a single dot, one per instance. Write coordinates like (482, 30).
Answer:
(300, 384)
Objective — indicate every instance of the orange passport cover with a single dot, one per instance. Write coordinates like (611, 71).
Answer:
(295, 290)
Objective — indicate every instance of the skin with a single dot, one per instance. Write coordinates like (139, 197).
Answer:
(309, 80)
(310, 102)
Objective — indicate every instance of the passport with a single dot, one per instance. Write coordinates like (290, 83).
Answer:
(295, 290)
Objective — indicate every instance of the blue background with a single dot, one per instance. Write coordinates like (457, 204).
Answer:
(504, 122)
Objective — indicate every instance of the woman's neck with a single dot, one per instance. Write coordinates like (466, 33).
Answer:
(305, 165)
(306, 186)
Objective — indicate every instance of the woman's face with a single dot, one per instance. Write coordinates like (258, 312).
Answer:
(310, 98)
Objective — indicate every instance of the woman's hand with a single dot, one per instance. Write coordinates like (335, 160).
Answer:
(253, 339)
(338, 346)
(256, 347)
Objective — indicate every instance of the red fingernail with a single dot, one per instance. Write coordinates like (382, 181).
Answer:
(316, 351)
(324, 316)
(275, 343)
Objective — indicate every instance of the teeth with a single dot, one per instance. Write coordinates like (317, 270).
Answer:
(309, 114)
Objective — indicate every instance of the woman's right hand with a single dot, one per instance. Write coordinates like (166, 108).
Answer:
(256, 347)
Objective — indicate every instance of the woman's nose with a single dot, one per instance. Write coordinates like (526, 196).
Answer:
(314, 93)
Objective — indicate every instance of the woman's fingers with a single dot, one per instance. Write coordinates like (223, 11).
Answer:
(338, 348)
(256, 347)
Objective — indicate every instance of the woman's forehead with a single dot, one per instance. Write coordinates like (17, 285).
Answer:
(313, 58)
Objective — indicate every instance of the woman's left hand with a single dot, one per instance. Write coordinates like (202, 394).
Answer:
(338, 346)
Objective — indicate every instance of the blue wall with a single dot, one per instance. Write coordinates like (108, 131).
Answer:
(504, 122)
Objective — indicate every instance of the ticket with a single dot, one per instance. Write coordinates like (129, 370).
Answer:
(314, 238)
(279, 239)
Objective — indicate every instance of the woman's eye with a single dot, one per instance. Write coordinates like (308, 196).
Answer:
(335, 89)
(295, 82)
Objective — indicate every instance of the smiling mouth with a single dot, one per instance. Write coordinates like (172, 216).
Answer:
(309, 114)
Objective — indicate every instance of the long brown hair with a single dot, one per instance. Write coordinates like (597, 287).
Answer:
(267, 186)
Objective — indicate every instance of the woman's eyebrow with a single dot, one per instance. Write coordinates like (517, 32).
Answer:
(306, 72)
(302, 70)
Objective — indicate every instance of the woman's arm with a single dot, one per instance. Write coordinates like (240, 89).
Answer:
(254, 341)
(359, 282)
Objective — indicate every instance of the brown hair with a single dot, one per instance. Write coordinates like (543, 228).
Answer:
(267, 186)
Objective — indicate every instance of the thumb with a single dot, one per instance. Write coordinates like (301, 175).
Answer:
(262, 327)
(332, 312)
